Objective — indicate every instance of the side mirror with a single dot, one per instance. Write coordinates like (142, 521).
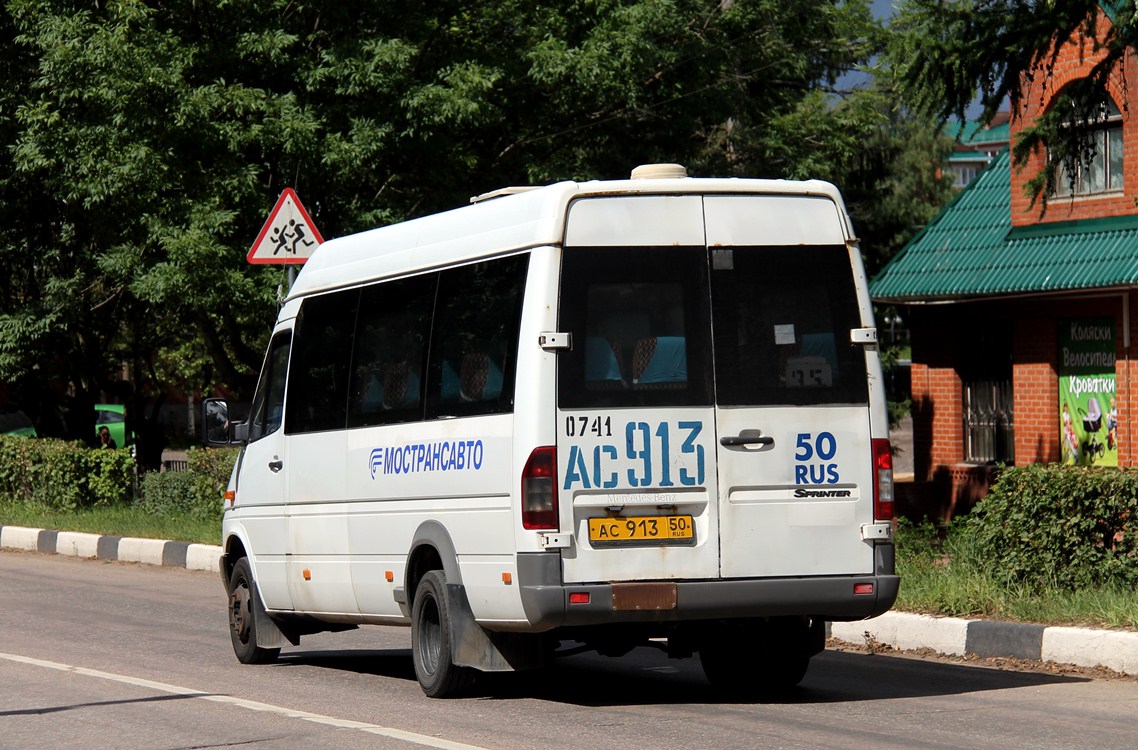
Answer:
(216, 427)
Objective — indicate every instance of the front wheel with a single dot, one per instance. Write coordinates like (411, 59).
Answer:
(430, 640)
(242, 617)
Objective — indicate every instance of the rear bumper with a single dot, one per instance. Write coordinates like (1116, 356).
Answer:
(546, 599)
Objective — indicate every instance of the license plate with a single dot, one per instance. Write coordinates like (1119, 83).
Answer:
(650, 529)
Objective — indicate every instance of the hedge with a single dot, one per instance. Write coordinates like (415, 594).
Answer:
(1065, 527)
(64, 475)
(197, 492)
(70, 476)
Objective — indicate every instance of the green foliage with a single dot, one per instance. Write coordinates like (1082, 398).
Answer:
(898, 409)
(1061, 527)
(147, 141)
(1048, 544)
(119, 520)
(944, 571)
(62, 475)
(197, 492)
(896, 182)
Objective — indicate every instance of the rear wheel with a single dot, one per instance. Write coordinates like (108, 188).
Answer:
(756, 658)
(430, 640)
(242, 617)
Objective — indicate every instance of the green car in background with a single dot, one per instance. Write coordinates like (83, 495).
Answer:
(15, 423)
(112, 417)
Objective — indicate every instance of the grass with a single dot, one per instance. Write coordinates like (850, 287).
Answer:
(117, 521)
(945, 579)
(937, 578)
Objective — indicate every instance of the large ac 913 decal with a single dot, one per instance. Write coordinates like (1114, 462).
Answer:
(658, 454)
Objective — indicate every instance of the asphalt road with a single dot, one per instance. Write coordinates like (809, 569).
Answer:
(118, 655)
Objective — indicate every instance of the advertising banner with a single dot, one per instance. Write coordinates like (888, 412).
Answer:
(1088, 415)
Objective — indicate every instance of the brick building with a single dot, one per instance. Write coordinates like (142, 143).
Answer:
(1021, 316)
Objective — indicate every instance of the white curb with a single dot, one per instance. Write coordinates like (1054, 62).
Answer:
(19, 537)
(1092, 648)
(149, 551)
(906, 631)
(77, 544)
(203, 557)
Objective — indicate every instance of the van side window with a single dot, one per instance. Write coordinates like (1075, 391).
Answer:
(474, 341)
(390, 352)
(322, 350)
(782, 327)
(641, 327)
(267, 412)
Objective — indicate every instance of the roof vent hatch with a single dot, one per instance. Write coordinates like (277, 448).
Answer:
(659, 172)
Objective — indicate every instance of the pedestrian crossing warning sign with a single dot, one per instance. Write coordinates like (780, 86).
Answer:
(289, 236)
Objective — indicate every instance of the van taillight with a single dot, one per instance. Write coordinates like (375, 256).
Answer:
(539, 490)
(882, 480)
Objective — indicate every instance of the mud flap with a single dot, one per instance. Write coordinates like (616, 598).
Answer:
(269, 634)
(473, 646)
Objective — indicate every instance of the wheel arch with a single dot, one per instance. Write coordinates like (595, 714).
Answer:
(431, 549)
(233, 550)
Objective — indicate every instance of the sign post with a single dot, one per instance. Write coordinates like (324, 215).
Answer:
(288, 236)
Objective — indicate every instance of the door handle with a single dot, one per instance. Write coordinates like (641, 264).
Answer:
(736, 440)
(276, 465)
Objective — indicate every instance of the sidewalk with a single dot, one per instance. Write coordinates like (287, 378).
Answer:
(1083, 647)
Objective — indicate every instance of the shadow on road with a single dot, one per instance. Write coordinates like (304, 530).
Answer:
(646, 677)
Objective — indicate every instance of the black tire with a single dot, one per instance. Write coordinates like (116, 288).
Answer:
(243, 605)
(438, 675)
(755, 660)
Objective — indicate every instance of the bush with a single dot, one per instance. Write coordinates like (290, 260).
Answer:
(62, 475)
(1059, 527)
(197, 492)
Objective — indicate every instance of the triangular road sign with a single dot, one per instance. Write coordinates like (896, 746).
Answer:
(289, 236)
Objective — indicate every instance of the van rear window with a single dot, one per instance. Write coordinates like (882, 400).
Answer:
(782, 319)
(642, 321)
(641, 327)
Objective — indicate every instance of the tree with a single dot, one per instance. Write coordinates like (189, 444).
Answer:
(147, 140)
(946, 54)
(897, 182)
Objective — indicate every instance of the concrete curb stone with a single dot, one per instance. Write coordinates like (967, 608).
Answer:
(1084, 647)
(125, 549)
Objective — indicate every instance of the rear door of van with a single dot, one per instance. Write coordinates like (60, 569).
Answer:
(792, 401)
(713, 415)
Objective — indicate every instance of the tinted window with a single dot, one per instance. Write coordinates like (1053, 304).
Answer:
(782, 327)
(640, 326)
(267, 412)
(390, 351)
(318, 391)
(475, 337)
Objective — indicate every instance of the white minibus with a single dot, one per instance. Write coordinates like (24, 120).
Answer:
(588, 415)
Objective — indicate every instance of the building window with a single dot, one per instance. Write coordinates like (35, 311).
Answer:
(986, 374)
(964, 174)
(1101, 171)
(988, 422)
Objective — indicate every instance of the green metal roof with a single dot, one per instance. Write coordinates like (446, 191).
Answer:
(973, 133)
(970, 250)
(969, 156)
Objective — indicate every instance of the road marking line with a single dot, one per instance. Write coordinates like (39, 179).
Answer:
(398, 734)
